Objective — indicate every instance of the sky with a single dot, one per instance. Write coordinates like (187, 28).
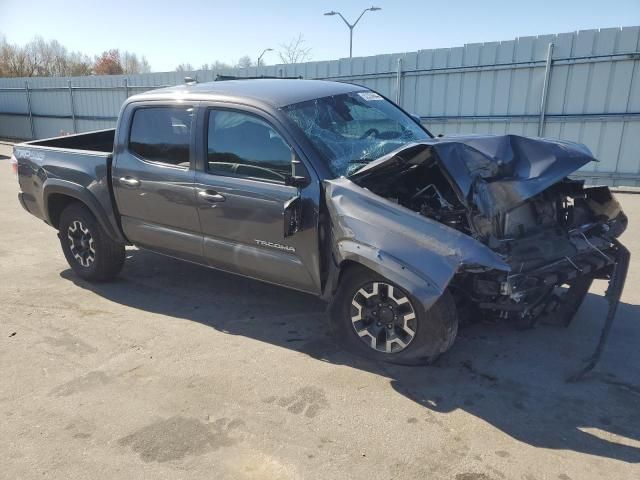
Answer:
(169, 33)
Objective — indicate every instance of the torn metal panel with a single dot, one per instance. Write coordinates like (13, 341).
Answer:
(495, 173)
(414, 251)
(613, 294)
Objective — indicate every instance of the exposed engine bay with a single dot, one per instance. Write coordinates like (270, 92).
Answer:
(556, 235)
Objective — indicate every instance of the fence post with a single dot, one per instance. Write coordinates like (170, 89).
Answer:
(399, 82)
(545, 90)
(126, 88)
(28, 93)
(73, 108)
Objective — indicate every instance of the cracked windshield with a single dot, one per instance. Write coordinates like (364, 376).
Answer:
(353, 129)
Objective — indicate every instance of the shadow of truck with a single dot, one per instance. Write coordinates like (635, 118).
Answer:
(513, 380)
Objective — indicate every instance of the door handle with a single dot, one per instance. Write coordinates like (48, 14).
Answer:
(211, 196)
(130, 181)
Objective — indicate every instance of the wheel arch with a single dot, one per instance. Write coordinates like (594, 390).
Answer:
(56, 203)
(356, 255)
(59, 194)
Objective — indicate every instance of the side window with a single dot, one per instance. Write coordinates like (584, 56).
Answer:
(243, 145)
(162, 134)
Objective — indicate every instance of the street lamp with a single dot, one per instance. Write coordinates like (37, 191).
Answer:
(352, 25)
(263, 52)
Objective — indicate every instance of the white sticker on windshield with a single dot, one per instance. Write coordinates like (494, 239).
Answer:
(369, 96)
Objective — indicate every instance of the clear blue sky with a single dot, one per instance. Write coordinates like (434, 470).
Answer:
(201, 31)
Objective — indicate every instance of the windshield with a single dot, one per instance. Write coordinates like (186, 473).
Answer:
(352, 129)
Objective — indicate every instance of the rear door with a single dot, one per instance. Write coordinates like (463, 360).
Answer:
(153, 179)
(240, 184)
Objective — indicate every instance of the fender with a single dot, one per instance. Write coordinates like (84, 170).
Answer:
(107, 220)
(416, 282)
(417, 253)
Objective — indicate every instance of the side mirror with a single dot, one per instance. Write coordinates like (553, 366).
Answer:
(296, 181)
(292, 216)
(416, 118)
(299, 177)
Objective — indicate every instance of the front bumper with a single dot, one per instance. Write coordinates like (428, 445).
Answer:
(564, 270)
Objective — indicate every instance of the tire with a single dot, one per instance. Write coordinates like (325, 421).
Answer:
(89, 250)
(434, 329)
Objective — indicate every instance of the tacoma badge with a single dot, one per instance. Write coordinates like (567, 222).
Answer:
(264, 243)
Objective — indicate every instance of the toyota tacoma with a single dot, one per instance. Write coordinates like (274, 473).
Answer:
(331, 189)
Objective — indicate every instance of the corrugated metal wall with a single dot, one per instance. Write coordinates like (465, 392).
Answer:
(592, 94)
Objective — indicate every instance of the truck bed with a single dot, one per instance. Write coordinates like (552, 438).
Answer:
(97, 141)
(54, 171)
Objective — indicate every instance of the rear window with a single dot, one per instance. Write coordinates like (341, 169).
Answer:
(162, 134)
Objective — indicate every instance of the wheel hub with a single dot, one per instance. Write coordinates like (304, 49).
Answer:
(385, 314)
(383, 317)
(81, 243)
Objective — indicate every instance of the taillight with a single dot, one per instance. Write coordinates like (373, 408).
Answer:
(14, 165)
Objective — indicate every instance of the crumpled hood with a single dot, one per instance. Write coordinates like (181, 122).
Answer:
(496, 172)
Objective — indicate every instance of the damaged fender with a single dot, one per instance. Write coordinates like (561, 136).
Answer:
(418, 253)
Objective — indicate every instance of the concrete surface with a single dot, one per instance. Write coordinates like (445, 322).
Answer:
(176, 371)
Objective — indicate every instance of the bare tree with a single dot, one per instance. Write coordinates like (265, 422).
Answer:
(16, 61)
(185, 67)
(217, 65)
(295, 51)
(50, 58)
(47, 58)
(55, 59)
(79, 65)
(244, 62)
(132, 64)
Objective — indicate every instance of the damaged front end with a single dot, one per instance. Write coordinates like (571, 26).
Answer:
(496, 220)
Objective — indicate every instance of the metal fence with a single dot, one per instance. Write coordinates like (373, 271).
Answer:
(582, 86)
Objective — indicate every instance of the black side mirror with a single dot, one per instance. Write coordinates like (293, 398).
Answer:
(299, 177)
(297, 181)
(292, 216)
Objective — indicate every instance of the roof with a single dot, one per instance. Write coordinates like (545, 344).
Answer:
(274, 92)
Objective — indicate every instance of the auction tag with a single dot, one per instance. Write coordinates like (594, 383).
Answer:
(369, 96)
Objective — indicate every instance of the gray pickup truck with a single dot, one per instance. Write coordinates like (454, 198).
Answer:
(332, 189)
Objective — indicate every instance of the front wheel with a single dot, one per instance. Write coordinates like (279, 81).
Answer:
(378, 319)
(90, 252)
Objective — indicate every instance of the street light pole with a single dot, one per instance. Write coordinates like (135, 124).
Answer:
(352, 25)
(263, 52)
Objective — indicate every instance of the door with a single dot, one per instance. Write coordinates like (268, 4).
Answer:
(242, 194)
(153, 180)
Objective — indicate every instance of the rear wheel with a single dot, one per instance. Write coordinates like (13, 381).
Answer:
(378, 319)
(90, 252)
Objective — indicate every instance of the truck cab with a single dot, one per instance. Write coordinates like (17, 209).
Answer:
(206, 178)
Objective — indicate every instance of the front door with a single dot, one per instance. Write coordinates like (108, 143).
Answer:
(153, 180)
(241, 191)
